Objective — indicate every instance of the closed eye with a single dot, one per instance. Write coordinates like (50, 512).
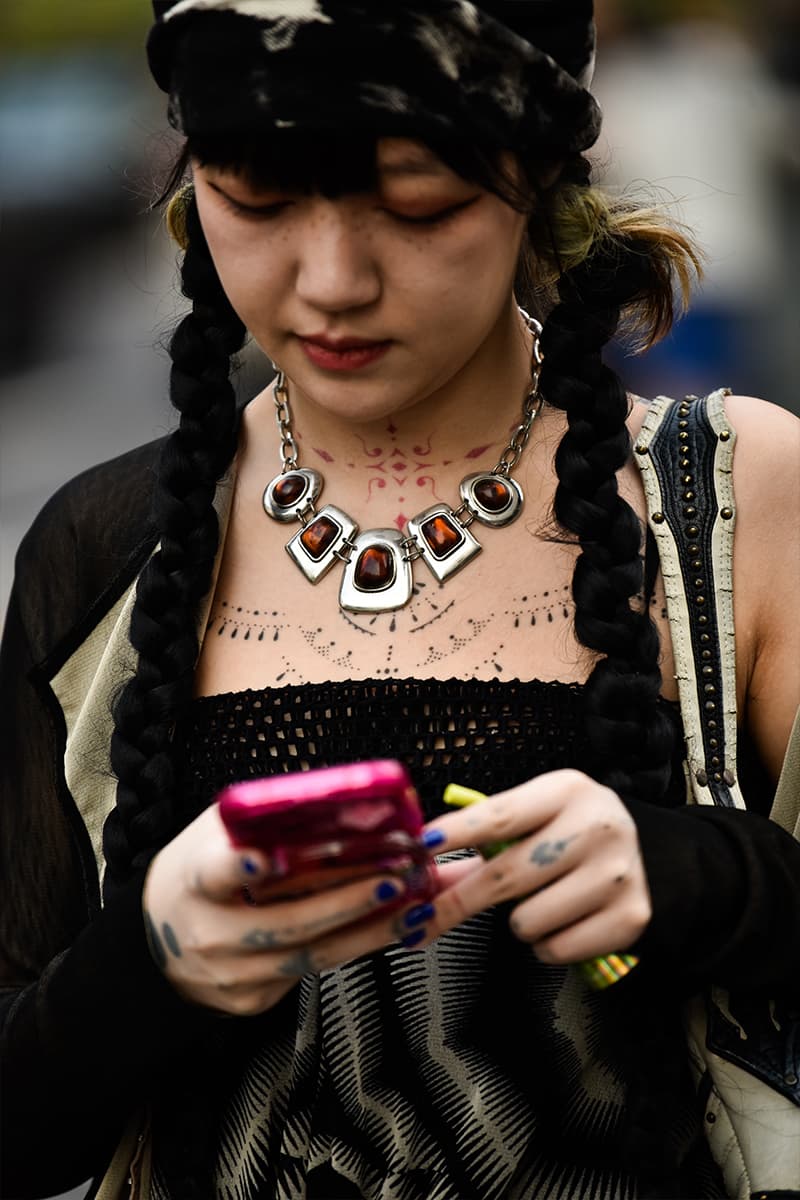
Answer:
(436, 218)
(250, 210)
(255, 210)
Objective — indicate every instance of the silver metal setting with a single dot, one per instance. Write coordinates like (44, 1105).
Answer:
(485, 515)
(395, 593)
(443, 565)
(348, 545)
(305, 501)
(314, 568)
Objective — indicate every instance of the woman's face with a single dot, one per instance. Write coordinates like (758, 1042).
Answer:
(419, 275)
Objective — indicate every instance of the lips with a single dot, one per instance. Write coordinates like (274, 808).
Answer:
(339, 345)
(342, 354)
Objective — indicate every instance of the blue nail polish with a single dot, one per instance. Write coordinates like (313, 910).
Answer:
(432, 838)
(387, 891)
(413, 939)
(418, 915)
(249, 867)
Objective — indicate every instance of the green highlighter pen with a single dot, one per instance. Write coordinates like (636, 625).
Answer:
(598, 972)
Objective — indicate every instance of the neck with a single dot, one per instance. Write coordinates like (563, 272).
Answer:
(418, 451)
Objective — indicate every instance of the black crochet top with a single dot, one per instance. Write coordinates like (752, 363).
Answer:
(467, 1070)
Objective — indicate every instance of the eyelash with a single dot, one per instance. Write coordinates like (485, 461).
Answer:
(273, 210)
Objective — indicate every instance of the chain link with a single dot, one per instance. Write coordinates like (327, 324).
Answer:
(283, 415)
(530, 409)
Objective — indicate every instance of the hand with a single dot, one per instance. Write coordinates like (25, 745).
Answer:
(575, 867)
(219, 951)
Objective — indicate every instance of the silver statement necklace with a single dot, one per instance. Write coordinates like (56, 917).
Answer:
(378, 563)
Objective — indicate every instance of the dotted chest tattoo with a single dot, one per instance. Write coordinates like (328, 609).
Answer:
(428, 635)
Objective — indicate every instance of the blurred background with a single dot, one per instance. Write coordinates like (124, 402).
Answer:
(702, 104)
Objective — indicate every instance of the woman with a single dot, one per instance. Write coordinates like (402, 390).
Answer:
(366, 181)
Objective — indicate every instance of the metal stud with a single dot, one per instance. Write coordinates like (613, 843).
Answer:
(726, 513)
(729, 777)
(702, 777)
(641, 448)
(658, 518)
(725, 435)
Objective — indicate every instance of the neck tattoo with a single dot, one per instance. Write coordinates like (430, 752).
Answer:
(378, 563)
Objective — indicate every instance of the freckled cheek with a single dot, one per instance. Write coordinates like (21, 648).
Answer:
(251, 279)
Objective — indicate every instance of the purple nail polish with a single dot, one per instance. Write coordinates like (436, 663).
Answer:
(249, 866)
(418, 915)
(413, 939)
(387, 891)
(432, 838)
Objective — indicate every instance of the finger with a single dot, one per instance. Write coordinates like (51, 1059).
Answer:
(407, 925)
(300, 922)
(522, 869)
(220, 870)
(609, 931)
(508, 815)
(563, 903)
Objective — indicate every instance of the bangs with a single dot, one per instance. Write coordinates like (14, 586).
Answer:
(335, 163)
(293, 160)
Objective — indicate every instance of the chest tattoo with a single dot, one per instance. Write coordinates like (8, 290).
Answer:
(426, 633)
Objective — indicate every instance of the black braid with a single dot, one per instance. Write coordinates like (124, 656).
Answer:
(177, 577)
(631, 739)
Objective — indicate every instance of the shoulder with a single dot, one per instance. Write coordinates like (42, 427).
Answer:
(90, 537)
(766, 463)
(766, 567)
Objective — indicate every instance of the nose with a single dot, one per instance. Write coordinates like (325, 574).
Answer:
(337, 267)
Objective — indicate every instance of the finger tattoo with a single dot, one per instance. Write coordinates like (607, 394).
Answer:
(261, 939)
(298, 964)
(547, 853)
(156, 945)
(170, 937)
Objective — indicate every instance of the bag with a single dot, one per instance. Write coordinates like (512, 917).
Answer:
(128, 1174)
(744, 1052)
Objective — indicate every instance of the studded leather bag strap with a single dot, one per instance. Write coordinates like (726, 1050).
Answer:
(685, 453)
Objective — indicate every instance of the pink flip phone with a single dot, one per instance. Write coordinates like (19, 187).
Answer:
(333, 823)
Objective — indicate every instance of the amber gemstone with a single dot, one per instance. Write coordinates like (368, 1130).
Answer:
(492, 494)
(288, 490)
(375, 569)
(319, 536)
(442, 535)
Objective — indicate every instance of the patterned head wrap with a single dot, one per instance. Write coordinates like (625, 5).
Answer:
(511, 73)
